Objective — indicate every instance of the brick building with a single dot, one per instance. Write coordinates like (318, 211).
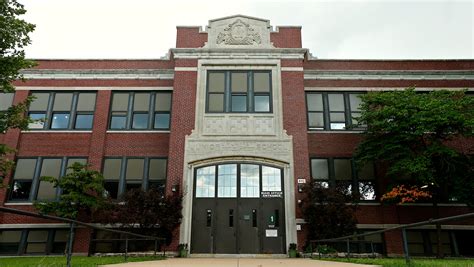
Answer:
(235, 118)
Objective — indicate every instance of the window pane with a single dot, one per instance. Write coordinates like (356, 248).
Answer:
(227, 180)
(84, 121)
(367, 172)
(111, 189)
(319, 169)
(216, 82)
(70, 162)
(36, 248)
(162, 121)
(20, 190)
(261, 82)
(216, 102)
(314, 102)
(51, 167)
(271, 179)
(6, 100)
(343, 169)
(337, 117)
(134, 169)
(163, 102)
(25, 169)
(46, 191)
(249, 181)
(239, 82)
(118, 121)
(40, 103)
(120, 102)
(140, 121)
(141, 102)
(37, 236)
(130, 186)
(86, 102)
(355, 101)
(62, 102)
(336, 102)
(316, 120)
(157, 169)
(205, 182)
(39, 120)
(367, 190)
(112, 169)
(60, 121)
(262, 103)
(10, 236)
(239, 103)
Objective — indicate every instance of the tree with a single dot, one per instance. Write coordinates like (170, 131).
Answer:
(326, 212)
(13, 38)
(413, 134)
(155, 213)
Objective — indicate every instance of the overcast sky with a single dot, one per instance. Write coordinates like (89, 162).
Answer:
(383, 29)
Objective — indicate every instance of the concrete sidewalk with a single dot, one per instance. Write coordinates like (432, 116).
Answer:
(237, 262)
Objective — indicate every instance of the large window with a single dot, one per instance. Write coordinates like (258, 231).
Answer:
(34, 241)
(27, 185)
(140, 111)
(239, 92)
(232, 180)
(62, 110)
(6, 100)
(122, 174)
(333, 111)
(342, 173)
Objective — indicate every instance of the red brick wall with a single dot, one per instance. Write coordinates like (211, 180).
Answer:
(190, 37)
(286, 37)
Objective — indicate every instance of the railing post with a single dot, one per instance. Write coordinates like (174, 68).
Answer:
(348, 248)
(70, 244)
(405, 246)
(156, 247)
(126, 247)
(372, 248)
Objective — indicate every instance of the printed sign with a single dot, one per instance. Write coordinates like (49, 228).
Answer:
(272, 194)
(271, 233)
(301, 181)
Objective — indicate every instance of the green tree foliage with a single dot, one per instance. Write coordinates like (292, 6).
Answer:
(415, 135)
(155, 213)
(13, 38)
(82, 193)
(326, 212)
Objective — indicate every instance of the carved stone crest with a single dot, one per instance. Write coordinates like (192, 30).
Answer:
(239, 33)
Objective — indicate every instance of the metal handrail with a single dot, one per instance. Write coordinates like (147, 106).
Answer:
(88, 225)
(403, 227)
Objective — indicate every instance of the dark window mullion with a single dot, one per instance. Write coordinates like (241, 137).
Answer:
(130, 111)
(121, 182)
(151, 110)
(35, 182)
(72, 111)
(227, 92)
(49, 111)
(347, 111)
(326, 118)
(250, 92)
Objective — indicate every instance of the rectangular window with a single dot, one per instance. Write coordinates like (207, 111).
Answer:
(343, 173)
(206, 182)
(333, 111)
(249, 181)
(27, 185)
(35, 241)
(9, 242)
(6, 100)
(140, 111)
(227, 180)
(62, 110)
(271, 179)
(133, 173)
(238, 92)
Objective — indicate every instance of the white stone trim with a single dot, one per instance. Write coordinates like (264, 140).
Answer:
(239, 53)
(185, 69)
(18, 204)
(334, 132)
(136, 132)
(376, 89)
(33, 225)
(92, 88)
(99, 74)
(54, 131)
(387, 75)
(292, 69)
(428, 227)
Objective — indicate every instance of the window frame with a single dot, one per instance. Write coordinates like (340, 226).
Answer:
(130, 112)
(36, 181)
(72, 112)
(49, 243)
(354, 181)
(327, 112)
(250, 94)
(10, 104)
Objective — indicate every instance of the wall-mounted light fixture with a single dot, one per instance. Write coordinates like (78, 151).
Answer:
(175, 188)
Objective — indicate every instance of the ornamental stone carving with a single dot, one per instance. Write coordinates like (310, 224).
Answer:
(239, 33)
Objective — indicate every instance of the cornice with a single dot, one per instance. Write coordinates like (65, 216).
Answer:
(388, 75)
(239, 53)
(100, 74)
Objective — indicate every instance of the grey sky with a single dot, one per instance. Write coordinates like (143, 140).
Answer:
(380, 29)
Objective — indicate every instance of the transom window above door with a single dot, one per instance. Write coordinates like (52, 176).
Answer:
(239, 92)
(245, 180)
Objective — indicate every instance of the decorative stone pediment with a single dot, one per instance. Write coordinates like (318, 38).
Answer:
(239, 31)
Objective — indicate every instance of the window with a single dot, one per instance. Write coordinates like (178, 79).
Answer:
(249, 180)
(342, 173)
(34, 241)
(238, 92)
(140, 111)
(27, 186)
(6, 100)
(227, 180)
(424, 242)
(123, 174)
(333, 111)
(205, 182)
(62, 111)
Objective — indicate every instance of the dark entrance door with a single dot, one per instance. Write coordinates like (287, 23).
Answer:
(238, 208)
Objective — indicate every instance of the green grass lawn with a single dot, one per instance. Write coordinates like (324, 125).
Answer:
(61, 261)
(400, 262)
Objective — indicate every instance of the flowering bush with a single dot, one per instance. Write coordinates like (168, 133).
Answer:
(404, 194)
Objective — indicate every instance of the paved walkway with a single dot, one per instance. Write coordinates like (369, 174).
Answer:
(213, 262)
